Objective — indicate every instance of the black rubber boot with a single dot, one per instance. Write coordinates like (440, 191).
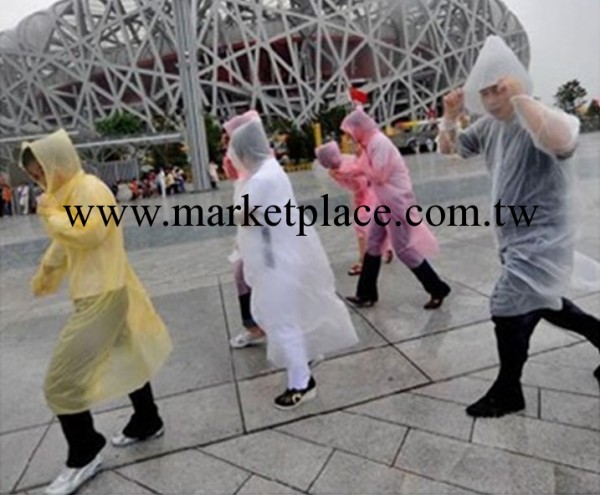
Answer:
(145, 421)
(84, 442)
(366, 290)
(506, 395)
(433, 285)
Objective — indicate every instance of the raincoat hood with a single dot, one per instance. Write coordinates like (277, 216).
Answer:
(329, 155)
(359, 126)
(495, 61)
(249, 147)
(239, 120)
(58, 158)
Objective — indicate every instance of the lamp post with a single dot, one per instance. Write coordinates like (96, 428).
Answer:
(193, 109)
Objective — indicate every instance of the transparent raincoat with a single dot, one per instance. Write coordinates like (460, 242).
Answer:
(293, 290)
(115, 341)
(527, 157)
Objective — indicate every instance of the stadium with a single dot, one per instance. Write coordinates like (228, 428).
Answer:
(82, 60)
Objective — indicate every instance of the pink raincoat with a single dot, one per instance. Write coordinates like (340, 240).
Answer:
(391, 185)
(348, 174)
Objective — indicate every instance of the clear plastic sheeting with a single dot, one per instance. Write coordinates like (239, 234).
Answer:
(293, 289)
(552, 130)
(495, 61)
(536, 256)
(115, 341)
(586, 273)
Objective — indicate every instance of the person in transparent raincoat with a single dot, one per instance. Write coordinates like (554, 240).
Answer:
(392, 187)
(293, 290)
(252, 333)
(345, 170)
(114, 342)
(526, 146)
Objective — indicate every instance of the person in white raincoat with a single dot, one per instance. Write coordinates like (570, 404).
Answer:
(526, 146)
(114, 341)
(293, 290)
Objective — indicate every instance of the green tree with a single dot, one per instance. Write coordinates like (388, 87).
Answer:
(570, 96)
(331, 119)
(169, 154)
(120, 124)
(213, 138)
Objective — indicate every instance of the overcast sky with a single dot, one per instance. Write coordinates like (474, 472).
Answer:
(564, 36)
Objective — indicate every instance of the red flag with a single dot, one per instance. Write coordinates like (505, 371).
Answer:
(358, 95)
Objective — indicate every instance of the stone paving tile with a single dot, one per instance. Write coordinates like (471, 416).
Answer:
(468, 349)
(104, 483)
(276, 456)
(558, 443)
(191, 419)
(341, 382)
(189, 471)
(349, 474)
(421, 412)
(489, 470)
(252, 361)
(571, 409)
(258, 485)
(399, 314)
(582, 355)
(15, 450)
(575, 380)
(466, 390)
(376, 440)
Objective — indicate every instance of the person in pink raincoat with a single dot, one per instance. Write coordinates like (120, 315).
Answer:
(345, 170)
(392, 187)
(252, 333)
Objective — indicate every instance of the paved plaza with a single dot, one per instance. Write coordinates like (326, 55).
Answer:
(389, 416)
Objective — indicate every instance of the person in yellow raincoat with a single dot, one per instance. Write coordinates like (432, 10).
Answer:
(114, 341)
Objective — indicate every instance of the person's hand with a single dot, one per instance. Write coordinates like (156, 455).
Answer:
(46, 281)
(454, 103)
(334, 173)
(510, 86)
(46, 203)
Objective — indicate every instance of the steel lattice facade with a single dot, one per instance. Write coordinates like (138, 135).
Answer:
(81, 60)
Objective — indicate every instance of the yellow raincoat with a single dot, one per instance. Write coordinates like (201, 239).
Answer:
(115, 341)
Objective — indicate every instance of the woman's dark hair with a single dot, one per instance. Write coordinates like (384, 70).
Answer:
(27, 157)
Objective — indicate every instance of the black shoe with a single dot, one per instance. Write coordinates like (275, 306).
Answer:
(494, 405)
(292, 398)
(138, 431)
(436, 300)
(597, 373)
(360, 303)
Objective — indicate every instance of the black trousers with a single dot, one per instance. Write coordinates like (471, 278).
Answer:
(513, 335)
(85, 442)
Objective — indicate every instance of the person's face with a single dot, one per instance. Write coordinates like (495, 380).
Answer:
(224, 140)
(496, 102)
(36, 172)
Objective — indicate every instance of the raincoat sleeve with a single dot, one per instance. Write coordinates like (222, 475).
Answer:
(89, 194)
(381, 160)
(553, 131)
(51, 271)
(55, 256)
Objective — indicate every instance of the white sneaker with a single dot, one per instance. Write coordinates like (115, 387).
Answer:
(246, 339)
(121, 440)
(70, 479)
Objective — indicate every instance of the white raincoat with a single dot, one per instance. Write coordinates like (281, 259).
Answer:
(293, 290)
